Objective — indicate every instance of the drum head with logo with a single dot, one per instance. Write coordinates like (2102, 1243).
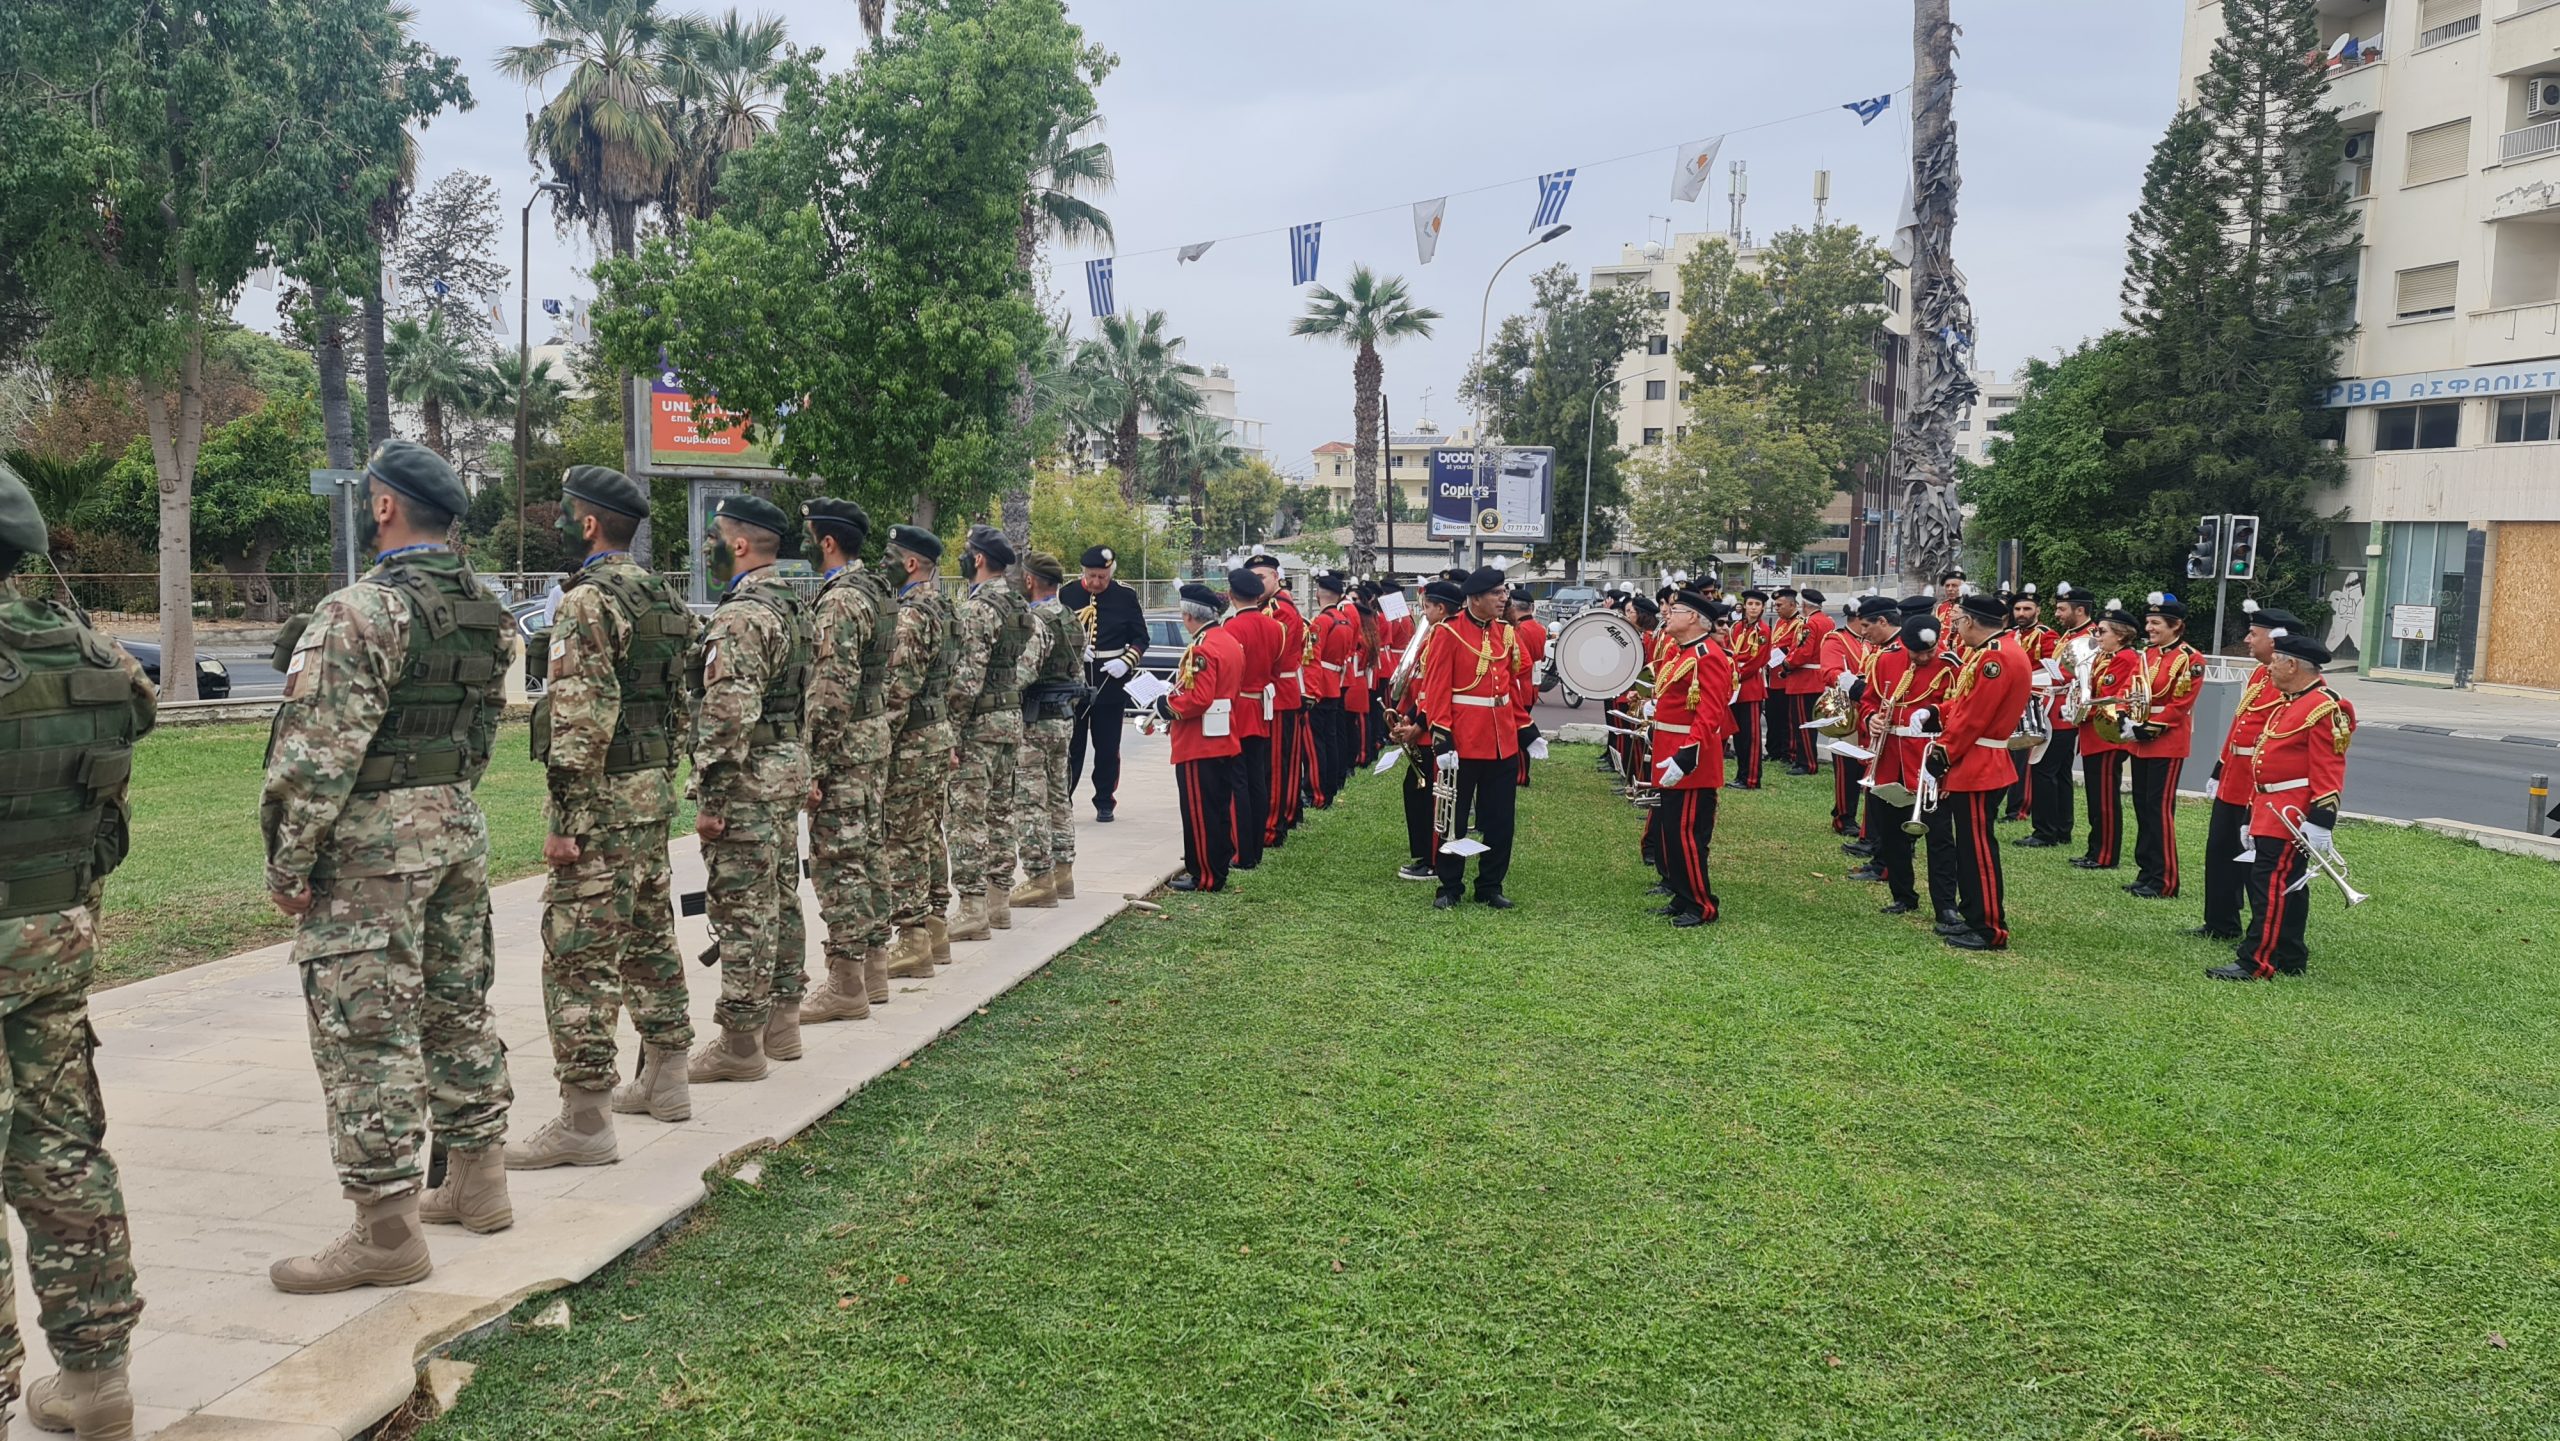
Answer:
(1598, 654)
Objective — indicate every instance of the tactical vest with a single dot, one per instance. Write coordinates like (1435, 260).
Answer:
(933, 698)
(1063, 665)
(879, 646)
(443, 715)
(780, 717)
(646, 673)
(1003, 690)
(68, 721)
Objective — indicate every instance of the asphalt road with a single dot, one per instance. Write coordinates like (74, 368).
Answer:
(2407, 775)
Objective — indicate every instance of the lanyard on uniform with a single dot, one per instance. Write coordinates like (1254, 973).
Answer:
(602, 555)
(740, 579)
(832, 574)
(382, 555)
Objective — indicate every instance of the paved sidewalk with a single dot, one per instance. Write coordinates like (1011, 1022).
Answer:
(215, 1119)
(2475, 714)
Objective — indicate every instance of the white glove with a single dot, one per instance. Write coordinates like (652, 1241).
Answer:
(1919, 719)
(1116, 668)
(1538, 749)
(1671, 773)
(1446, 760)
(1777, 658)
(1646, 710)
(2317, 838)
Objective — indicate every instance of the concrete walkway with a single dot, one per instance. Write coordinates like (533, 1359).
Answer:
(2479, 713)
(215, 1119)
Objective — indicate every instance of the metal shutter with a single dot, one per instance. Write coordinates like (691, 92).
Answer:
(2426, 290)
(2439, 153)
(2437, 14)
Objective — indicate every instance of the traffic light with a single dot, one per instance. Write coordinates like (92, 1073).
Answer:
(2204, 562)
(2244, 548)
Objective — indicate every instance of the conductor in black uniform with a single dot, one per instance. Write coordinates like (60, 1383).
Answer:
(1114, 627)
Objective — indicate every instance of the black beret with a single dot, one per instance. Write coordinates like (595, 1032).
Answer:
(2072, 593)
(1198, 594)
(2270, 617)
(750, 510)
(916, 540)
(2024, 592)
(1245, 583)
(1484, 581)
(1985, 608)
(2166, 606)
(1811, 595)
(1445, 592)
(1332, 582)
(2118, 615)
(21, 527)
(606, 489)
(1644, 607)
(1097, 556)
(418, 473)
(1877, 607)
(2301, 646)
(1272, 561)
(1705, 608)
(1784, 592)
(829, 513)
(1953, 572)
(1454, 576)
(1756, 593)
(988, 541)
(1044, 565)
(1919, 605)
(1919, 632)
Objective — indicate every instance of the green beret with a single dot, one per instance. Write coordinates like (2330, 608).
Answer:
(418, 473)
(916, 540)
(21, 528)
(749, 510)
(828, 512)
(606, 489)
(1045, 566)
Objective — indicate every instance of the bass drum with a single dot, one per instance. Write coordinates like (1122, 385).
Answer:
(1598, 654)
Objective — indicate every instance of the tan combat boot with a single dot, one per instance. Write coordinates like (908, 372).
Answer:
(96, 1404)
(474, 1193)
(383, 1248)
(1062, 880)
(736, 1056)
(581, 1135)
(999, 908)
(937, 933)
(875, 974)
(660, 1091)
(782, 1031)
(1035, 894)
(840, 997)
(968, 921)
(911, 954)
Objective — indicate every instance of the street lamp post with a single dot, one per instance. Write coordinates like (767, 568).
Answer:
(1590, 436)
(524, 351)
(1484, 318)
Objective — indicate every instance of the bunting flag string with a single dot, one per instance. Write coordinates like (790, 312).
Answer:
(1427, 215)
(551, 308)
(1697, 162)
(1193, 252)
(1303, 243)
(498, 314)
(1868, 110)
(1552, 190)
(1097, 286)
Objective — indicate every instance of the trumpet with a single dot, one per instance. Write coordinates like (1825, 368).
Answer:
(2330, 863)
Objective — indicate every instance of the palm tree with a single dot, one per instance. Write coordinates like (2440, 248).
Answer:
(875, 14)
(721, 82)
(1065, 168)
(605, 134)
(546, 402)
(426, 367)
(385, 226)
(1201, 448)
(1372, 311)
(1135, 368)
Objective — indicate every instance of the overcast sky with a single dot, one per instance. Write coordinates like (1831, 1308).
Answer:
(1251, 115)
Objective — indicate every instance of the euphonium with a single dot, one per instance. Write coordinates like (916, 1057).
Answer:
(2119, 720)
(1408, 667)
(1444, 805)
(1835, 717)
(2080, 671)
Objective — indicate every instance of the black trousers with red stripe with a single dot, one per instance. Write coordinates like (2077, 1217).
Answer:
(1979, 893)
(2155, 820)
(2050, 797)
(1845, 791)
(1687, 834)
(1894, 849)
(2226, 876)
(1488, 802)
(1206, 789)
(1416, 786)
(1332, 749)
(2022, 792)
(2278, 915)
(1747, 742)
(1253, 797)
(1777, 728)
(1802, 749)
(2102, 777)
(1280, 800)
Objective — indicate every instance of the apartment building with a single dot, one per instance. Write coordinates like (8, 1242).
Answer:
(1860, 526)
(1981, 420)
(2451, 506)
(1329, 467)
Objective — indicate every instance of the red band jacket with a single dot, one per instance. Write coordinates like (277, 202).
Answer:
(1751, 659)
(1333, 638)
(1911, 696)
(2113, 680)
(1204, 697)
(2301, 762)
(1292, 674)
(1258, 640)
(2233, 769)
(1984, 706)
(1690, 715)
(1472, 675)
(2062, 688)
(2177, 673)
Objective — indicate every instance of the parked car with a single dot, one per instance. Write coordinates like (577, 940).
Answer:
(213, 680)
(1566, 602)
(1166, 641)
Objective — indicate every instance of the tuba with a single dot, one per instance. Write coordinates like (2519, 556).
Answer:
(2080, 672)
(1408, 667)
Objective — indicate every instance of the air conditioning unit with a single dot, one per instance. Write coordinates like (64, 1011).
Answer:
(2360, 148)
(2542, 97)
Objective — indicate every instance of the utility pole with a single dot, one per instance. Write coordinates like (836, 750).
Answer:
(1387, 487)
(1923, 461)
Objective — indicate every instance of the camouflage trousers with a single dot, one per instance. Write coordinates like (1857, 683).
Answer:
(396, 973)
(845, 864)
(609, 940)
(1043, 800)
(982, 829)
(54, 1171)
(754, 900)
(912, 809)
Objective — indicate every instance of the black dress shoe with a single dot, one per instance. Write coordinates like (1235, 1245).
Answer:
(2014, 818)
(1669, 910)
(1951, 928)
(1800, 770)
(1900, 908)
(2034, 843)
(1245, 865)
(1859, 848)
(1972, 940)
(2208, 933)
(1443, 901)
(1869, 872)
(1184, 882)
(2145, 890)
(2233, 972)
(1657, 889)
(1950, 916)
(1751, 785)
(1102, 814)
(1497, 900)
(1688, 920)
(2083, 863)
(1416, 871)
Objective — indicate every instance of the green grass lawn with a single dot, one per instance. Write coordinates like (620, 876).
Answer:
(1312, 1160)
(194, 887)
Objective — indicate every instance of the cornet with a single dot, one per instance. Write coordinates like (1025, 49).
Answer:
(2331, 864)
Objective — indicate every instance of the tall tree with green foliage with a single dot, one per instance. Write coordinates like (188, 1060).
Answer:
(1132, 369)
(1371, 311)
(448, 256)
(2057, 482)
(1070, 166)
(252, 497)
(1796, 323)
(1550, 377)
(860, 276)
(155, 155)
(1745, 473)
(720, 97)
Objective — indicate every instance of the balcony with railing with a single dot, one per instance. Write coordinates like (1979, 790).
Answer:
(2526, 39)
(2540, 138)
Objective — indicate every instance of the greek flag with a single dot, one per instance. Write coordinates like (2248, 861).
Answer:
(1868, 110)
(1552, 189)
(551, 308)
(1304, 240)
(439, 289)
(1097, 286)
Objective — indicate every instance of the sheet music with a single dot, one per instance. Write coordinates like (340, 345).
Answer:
(1145, 688)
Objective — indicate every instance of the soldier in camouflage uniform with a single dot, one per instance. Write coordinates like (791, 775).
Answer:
(856, 626)
(71, 707)
(999, 645)
(391, 702)
(605, 730)
(750, 775)
(917, 690)
(1053, 686)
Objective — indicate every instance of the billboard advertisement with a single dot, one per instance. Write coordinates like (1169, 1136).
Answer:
(1513, 500)
(675, 447)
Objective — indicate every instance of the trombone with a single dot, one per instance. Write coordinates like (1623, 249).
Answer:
(2331, 864)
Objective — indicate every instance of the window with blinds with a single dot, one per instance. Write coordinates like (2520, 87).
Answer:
(2442, 20)
(2438, 153)
(2427, 291)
